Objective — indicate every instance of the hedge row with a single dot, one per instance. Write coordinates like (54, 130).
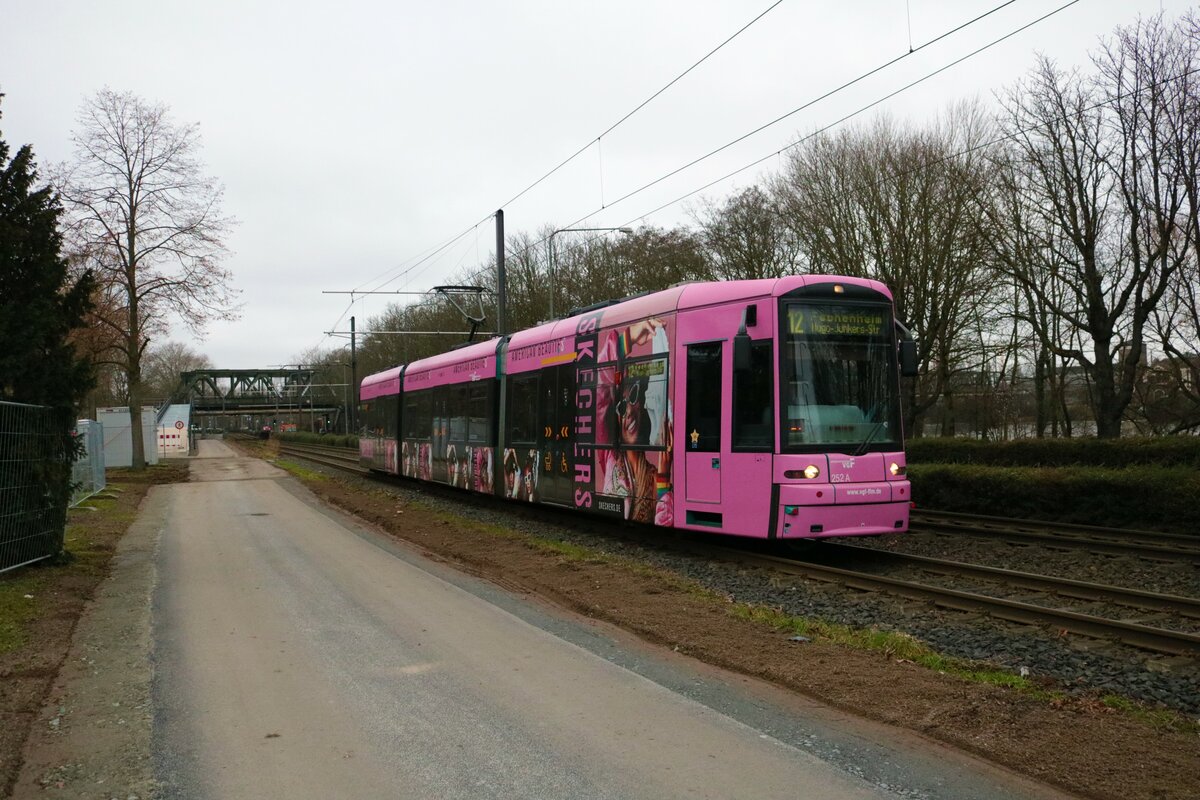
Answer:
(1149, 498)
(1173, 451)
(327, 439)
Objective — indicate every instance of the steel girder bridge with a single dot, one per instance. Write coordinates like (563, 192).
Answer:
(265, 396)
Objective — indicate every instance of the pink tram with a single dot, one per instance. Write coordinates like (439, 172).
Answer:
(763, 408)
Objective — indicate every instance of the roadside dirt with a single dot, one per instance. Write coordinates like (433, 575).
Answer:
(31, 675)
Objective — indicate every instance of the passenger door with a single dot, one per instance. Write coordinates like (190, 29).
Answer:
(554, 439)
(702, 423)
(727, 460)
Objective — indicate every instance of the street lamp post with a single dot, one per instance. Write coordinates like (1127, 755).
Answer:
(554, 265)
(345, 397)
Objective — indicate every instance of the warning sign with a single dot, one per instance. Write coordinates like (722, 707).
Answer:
(179, 424)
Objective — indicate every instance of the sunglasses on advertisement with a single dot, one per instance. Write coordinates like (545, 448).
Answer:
(634, 397)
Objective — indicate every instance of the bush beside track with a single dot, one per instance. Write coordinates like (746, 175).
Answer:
(1150, 497)
(1174, 451)
(327, 439)
(1149, 483)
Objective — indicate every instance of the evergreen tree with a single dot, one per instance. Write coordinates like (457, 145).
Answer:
(39, 307)
(39, 304)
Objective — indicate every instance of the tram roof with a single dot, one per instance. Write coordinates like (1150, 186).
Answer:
(680, 298)
(429, 371)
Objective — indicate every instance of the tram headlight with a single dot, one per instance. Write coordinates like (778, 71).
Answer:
(896, 469)
(810, 472)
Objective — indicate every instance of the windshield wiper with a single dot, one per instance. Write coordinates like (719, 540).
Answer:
(862, 448)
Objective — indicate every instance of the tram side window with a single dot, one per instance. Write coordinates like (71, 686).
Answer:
(636, 404)
(704, 397)
(457, 406)
(753, 401)
(389, 415)
(477, 411)
(375, 417)
(441, 415)
(423, 419)
(523, 410)
(412, 413)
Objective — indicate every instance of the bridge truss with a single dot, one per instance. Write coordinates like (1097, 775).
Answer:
(263, 396)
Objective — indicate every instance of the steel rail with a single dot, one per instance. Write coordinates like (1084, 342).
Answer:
(328, 459)
(1126, 534)
(1131, 633)
(1101, 540)
(1068, 587)
(345, 453)
(1057, 525)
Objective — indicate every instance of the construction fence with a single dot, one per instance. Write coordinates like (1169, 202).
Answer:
(35, 484)
(87, 473)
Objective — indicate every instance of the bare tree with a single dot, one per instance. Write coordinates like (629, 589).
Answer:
(1022, 242)
(589, 270)
(1103, 162)
(593, 268)
(1170, 395)
(162, 365)
(899, 206)
(746, 237)
(147, 221)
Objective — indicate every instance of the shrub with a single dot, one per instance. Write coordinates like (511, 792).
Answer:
(1157, 498)
(1175, 451)
(327, 439)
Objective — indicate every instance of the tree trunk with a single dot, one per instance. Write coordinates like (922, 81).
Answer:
(912, 419)
(1108, 411)
(1039, 394)
(133, 355)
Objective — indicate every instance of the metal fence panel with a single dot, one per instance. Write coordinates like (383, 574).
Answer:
(34, 469)
(87, 473)
(118, 439)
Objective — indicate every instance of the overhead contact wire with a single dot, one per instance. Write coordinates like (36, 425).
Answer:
(868, 107)
(576, 154)
(839, 121)
(642, 105)
(825, 96)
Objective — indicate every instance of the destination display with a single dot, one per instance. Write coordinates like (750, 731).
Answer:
(809, 320)
(646, 369)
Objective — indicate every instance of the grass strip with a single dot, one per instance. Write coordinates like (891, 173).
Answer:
(18, 606)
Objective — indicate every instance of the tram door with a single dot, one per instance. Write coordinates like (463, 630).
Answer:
(556, 401)
(440, 440)
(727, 432)
(702, 423)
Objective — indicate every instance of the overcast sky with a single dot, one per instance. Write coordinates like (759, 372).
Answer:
(353, 138)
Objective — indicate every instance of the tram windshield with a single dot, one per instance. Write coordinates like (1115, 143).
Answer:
(839, 384)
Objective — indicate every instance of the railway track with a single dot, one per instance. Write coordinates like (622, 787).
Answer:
(1111, 541)
(1136, 634)
(1175, 640)
(1184, 607)
(339, 457)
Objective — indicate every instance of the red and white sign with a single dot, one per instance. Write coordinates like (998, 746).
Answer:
(179, 424)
